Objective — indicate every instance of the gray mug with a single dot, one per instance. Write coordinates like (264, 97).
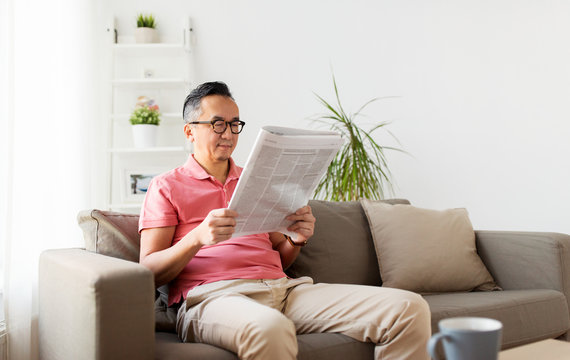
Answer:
(468, 338)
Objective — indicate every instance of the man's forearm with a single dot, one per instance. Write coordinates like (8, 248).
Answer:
(168, 263)
(287, 252)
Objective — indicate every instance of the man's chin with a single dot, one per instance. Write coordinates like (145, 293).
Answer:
(223, 156)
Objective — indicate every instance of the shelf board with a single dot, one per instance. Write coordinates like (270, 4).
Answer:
(150, 81)
(158, 149)
(154, 49)
(125, 206)
(161, 46)
(168, 117)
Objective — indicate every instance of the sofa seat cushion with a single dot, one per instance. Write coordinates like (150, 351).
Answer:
(311, 347)
(527, 315)
(332, 346)
(168, 347)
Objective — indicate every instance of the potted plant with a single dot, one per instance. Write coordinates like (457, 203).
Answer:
(145, 31)
(145, 120)
(360, 169)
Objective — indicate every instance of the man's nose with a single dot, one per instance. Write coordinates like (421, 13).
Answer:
(228, 132)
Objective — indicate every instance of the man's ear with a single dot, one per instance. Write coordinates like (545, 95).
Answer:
(188, 132)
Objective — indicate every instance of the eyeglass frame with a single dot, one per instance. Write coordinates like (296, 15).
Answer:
(213, 122)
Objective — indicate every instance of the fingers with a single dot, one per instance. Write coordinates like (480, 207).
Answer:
(304, 222)
(300, 224)
(221, 217)
(303, 214)
(304, 229)
(218, 226)
(223, 213)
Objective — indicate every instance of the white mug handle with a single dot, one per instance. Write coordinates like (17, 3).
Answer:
(432, 343)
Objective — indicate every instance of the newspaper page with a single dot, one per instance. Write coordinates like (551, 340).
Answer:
(280, 176)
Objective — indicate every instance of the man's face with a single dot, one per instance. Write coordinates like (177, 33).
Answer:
(210, 147)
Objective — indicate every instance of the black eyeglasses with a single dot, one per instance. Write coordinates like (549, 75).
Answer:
(220, 126)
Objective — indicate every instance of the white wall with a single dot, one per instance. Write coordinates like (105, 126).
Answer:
(483, 88)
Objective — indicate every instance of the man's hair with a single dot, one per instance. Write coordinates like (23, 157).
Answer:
(192, 109)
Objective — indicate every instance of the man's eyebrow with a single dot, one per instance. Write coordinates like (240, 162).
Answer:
(218, 117)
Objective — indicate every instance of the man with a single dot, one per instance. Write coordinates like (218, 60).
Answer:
(233, 292)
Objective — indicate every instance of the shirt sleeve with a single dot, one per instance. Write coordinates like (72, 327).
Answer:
(157, 209)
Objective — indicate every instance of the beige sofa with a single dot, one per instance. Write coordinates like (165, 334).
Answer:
(99, 303)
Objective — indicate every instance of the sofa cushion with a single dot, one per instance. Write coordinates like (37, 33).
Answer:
(111, 233)
(527, 315)
(426, 250)
(332, 346)
(341, 249)
(168, 347)
(328, 346)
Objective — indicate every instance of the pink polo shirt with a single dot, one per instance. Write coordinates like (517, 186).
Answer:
(183, 197)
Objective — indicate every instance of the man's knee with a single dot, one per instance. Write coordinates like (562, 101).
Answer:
(270, 333)
(414, 308)
(410, 331)
(267, 326)
(416, 304)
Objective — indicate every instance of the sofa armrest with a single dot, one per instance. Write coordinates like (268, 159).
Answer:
(527, 260)
(93, 306)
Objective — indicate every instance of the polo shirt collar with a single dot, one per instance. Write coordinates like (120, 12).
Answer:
(197, 171)
(234, 172)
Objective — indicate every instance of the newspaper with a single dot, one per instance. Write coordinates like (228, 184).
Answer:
(280, 176)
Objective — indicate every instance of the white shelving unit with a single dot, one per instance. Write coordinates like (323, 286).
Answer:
(165, 117)
(161, 149)
(148, 82)
(160, 71)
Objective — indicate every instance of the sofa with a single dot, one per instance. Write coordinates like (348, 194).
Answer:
(97, 302)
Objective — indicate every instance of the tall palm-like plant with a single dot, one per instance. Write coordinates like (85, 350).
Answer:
(360, 169)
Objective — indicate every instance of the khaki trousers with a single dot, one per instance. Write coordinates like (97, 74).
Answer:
(259, 319)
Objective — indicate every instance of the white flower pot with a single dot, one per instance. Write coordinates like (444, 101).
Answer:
(144, 35)
(144, 135)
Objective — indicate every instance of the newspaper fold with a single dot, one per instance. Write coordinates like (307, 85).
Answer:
(280, 176)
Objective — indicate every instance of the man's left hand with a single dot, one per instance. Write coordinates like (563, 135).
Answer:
(304, 223)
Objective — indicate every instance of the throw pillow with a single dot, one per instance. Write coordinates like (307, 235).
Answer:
(426, 251)
(111, 233)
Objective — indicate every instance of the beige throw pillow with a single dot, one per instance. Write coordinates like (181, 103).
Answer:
(426, 251)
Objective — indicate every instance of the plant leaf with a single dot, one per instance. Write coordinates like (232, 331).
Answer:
(360, 168)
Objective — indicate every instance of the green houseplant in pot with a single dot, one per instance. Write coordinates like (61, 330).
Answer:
(145, 120)
(146, 29)
(360, 168)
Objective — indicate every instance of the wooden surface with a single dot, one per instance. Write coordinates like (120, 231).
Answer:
(542, 350)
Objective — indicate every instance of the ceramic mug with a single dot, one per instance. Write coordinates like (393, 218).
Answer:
(467, 338)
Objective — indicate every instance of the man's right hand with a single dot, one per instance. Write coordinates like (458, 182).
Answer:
(218, 226)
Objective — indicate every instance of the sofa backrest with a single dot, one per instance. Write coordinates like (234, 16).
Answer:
(340, 251)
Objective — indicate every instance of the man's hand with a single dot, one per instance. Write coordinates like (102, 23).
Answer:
(218, 226)
(304, 223)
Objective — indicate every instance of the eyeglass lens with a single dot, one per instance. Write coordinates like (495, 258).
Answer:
(220, 126)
